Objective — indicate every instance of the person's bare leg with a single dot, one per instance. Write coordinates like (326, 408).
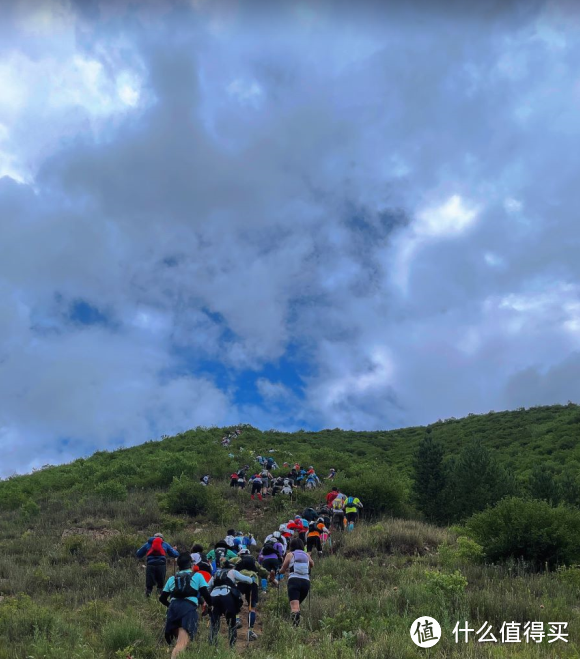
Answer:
(182, 642)
(295, 612)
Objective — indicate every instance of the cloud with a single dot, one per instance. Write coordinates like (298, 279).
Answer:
(392, 203)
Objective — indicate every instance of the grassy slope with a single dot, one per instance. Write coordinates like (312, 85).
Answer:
(82, 597)
(522, 439)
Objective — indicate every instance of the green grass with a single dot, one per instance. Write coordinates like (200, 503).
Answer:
(71, 586)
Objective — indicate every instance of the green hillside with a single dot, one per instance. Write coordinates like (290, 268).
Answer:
(71, 586)
(522, 439)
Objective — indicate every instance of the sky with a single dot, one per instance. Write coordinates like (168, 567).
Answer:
(295, 215)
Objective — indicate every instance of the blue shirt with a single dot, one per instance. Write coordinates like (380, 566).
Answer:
(197, 582)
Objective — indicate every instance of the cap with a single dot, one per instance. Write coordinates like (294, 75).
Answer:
(243, 550)
(238, 533)
(158, 535)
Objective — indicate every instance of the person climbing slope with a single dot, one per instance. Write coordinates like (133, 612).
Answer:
(181, 595)
(256, 482)
(331, 496)
(219, 552)
(270, 558)
(298, 564)
(315, 531)
(226, 600)
(156, 550)
(248, 566)
(338, 518)
(351, 507)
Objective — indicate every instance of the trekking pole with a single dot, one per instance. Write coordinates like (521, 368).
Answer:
(309, 616)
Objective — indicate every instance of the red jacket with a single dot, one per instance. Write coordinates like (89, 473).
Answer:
(296, 526)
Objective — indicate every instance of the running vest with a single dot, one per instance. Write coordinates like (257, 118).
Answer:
(299, 565)
(182, 586)
(157, 548)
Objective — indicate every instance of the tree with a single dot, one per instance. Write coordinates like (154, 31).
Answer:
(429, 484)
(543, 485)
(477, 481)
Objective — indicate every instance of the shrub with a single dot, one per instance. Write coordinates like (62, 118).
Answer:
(29, 509)
(111, 491)
(74, 544)
(381, 492)
(122, 546)
(466, 550)
(528, 530)
(447, 586)
(186, 496)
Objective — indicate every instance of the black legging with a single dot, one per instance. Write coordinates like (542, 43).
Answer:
(229, 606)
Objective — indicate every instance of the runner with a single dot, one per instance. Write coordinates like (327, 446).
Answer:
(156, 550)
(351, 507)
(298, 563)
(247, 565)
(338, 518)
(315, 530)
(331, 496)
(181, 596)
(226, 600)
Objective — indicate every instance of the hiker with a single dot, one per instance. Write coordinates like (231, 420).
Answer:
(331, 475)
(226, 600)
(287, 487)
(270, 558)
(298, 563)
(241, 482)
(234, 479)
(196, 553)
(277, 486)
(315, 530)
(256, 482)
(338, 517)
(301, 478)
(270, 463)
(204, 480)
(181, 595)
(277, 538)
(230, 539)
(331, 496)
(351, 507)
(156, 550)
(219, 552)
(310, 514)
(297, 526)
(249, 567)
(312, 481)
(267, 479)
(243, 540)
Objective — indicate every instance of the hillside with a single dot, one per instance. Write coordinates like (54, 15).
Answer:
(71, 586)
(547, 436)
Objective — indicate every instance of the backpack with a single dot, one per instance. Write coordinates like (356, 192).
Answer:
(220, 578)
(157, 548)
(268, 548)
(350, 501)
(338, 504)
(247, 563)
(234, 476)
(182, 586)
(220, 553)
(310, 514)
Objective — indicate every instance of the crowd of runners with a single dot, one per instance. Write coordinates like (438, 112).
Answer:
(218, 581)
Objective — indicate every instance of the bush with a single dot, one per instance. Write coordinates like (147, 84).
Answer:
(466, 550)
(446, 586)
(122, 546)
(381, 492)
(528, 530)
(111, 491)
(186, 496)
(29, 510)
